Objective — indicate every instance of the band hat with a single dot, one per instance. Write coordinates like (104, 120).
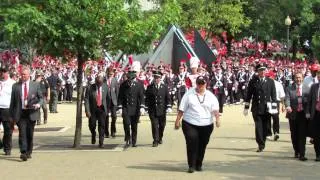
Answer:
(157, 73)
(194, 62)
(260, 67)
(136, 66)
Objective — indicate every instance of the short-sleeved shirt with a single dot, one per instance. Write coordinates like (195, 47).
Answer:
(197, 110)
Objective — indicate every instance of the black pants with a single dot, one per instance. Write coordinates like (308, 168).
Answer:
(44, 108)
(130, 121)
(69, 91)
(62, 94)
(197, 138)
(99, 116)
(113, 112)
(231, 94)
(261, 128)
(158, 123)
(316, 133)
(53, 100)
(298, 129)
(26, 130)
(7, 129)
(221, 99)
(275, 124)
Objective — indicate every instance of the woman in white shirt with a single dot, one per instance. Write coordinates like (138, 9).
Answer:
(199, 109)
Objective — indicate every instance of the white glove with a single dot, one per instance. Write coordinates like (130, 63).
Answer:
(245, 112)
(233, 88)
(243, 87)
(169, 110)
(142, 111)
(308, 115)
(226, 93)
(120, 111)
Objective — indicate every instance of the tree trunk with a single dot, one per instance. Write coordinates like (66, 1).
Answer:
(294, 49)
(229, 44)
(77, 135)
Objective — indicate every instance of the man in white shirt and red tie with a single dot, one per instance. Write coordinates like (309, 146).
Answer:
(95, 103)
(26, 100)
(296, 113)
(5, 96)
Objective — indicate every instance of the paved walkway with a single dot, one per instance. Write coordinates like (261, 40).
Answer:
(230, 153)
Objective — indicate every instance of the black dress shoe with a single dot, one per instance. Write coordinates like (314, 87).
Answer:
(296, 155)
(260, 149)
(101, 146)
(23, 157)
(134, 145)
(302, 158)
(29, 156)
(7, 153)
(317, 158)
(190, 170)
(198, 168)
(113, 135)
(106, 136)
(154, 144)
(160, 141)
(276, 137)
(127, 144)
(38, 123)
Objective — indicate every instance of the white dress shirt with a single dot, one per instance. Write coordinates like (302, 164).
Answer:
(5, 93)
(197, 109)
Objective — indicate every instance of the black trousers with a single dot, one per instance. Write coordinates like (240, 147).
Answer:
(261, 128)
(179, 97)
(316, 133)
(113, 112)
(53, 100)
(231, 94)
(26, 131)
(130, 121)
(298, 129)
(99, 116)
(158, 123)
(276, 122)
(7, 129)
(69, 91)
(44, 108)
(197, 138)
(221, 99)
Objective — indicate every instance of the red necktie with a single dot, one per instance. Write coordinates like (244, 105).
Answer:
(299, 109)
(25, 92)
(99, 98)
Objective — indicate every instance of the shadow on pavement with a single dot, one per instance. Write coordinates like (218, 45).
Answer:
(10, 158)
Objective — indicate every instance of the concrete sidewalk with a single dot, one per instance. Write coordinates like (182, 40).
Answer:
(230, 153)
